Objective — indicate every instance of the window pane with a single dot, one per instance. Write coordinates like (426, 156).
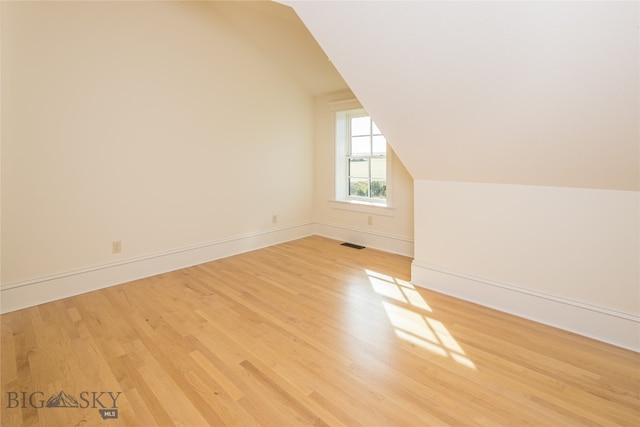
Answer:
(361, 145)
(379, 189)
(360, 125)
(359, 168)
(379, 168)
(358, 187)
(379, 145)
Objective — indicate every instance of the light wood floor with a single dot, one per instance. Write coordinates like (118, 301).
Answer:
(304, 333)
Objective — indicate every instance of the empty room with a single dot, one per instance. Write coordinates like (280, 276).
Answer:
(329, 213)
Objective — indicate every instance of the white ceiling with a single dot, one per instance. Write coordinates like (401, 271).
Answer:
(523, 92)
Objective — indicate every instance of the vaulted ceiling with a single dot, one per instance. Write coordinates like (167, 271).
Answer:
(533, 93)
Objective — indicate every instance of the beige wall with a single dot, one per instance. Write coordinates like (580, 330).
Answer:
(153, 123)
(395, 223)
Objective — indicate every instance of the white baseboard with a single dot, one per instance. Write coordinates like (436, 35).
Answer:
(620, 329)
(25, 294)
(385, 242)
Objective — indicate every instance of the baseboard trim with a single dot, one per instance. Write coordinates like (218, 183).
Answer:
(613, 327)
(385, 242)
(29, 293)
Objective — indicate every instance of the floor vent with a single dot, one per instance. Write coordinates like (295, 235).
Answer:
(352, 245)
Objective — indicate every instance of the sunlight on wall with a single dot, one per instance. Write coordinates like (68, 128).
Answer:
(406, 310)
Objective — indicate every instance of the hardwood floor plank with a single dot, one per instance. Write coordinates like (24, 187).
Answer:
(221, 378)
(281, 394)
(141, 399)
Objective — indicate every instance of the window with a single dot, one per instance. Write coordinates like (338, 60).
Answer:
(361, 159)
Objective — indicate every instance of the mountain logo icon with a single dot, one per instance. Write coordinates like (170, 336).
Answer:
(62, 400)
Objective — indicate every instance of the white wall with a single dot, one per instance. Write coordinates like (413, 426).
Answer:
(390, 229)
(576, 244)
(563, 256)
(153, 123)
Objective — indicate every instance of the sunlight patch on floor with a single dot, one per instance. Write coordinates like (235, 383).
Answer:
(411, 318)
(396, 289)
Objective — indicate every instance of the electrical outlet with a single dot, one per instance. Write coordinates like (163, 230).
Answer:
(116, 246)
(370, 220)
(274, 219)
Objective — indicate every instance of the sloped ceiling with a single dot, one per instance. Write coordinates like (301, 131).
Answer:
(277, 31)
(534, 93)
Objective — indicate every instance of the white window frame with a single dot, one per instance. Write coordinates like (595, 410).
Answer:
(342, 200)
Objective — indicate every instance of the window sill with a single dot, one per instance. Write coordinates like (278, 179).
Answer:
(365, 207)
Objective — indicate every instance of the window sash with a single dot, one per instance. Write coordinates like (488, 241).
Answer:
(361, 183)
